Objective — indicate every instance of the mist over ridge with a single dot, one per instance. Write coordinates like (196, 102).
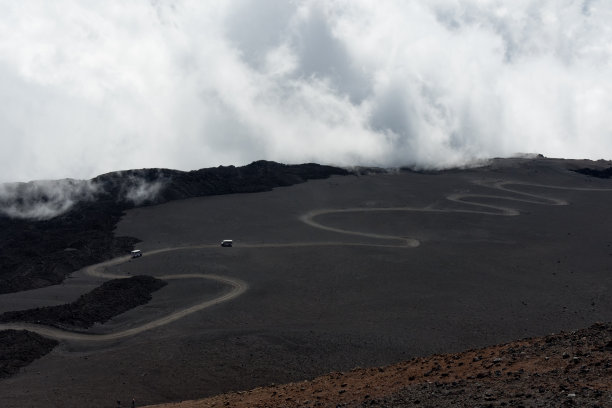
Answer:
(46, 199)
(114, 192)
(91, 88)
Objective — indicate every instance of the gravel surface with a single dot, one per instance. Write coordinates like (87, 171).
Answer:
(321, 301)
(565, 369)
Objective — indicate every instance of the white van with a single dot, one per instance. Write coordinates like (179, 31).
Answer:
(227, 243)
(137, 253)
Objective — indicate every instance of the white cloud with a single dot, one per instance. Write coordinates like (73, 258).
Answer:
(138, 190)
(44, 199)
(89, 87)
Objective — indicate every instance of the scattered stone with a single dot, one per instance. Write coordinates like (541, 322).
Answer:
(98, 306)
(18, 348)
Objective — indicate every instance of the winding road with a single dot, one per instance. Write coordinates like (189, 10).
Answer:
(468, 199)
(238, 287)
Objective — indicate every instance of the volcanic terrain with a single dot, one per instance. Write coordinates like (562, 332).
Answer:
(352, 271)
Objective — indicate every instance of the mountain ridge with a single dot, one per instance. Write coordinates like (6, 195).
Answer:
(35, 253)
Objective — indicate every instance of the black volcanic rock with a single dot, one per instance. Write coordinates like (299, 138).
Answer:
(174, 184)
(42, 253)
(605, 173)
(35, 254)
(18, 348)
(98, 306)
(38, 253)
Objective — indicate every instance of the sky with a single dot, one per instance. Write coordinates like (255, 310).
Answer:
(89, 87)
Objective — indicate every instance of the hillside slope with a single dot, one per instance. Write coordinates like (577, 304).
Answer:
(565, 369)
(35, 253)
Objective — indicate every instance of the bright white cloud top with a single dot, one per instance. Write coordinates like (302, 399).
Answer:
(89, 87)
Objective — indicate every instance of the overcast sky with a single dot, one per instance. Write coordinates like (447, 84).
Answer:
(93, 86)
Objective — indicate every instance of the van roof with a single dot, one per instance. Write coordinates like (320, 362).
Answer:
(136, 251)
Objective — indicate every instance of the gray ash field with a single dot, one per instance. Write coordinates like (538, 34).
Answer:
(534, 257)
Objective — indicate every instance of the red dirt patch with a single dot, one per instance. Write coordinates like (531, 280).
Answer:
(572, 369)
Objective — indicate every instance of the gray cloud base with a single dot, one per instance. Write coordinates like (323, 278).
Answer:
(95, 87)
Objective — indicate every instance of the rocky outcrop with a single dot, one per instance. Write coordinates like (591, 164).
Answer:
(98, 306)
(18, 348)
(599, 173)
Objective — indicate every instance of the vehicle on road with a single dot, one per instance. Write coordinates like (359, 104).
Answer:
(137, 253)
(227, 243)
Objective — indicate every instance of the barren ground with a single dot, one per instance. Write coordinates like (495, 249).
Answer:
(567, 369)
(529, 261)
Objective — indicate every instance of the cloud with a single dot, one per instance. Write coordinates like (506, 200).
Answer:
(91, 87)
(46, 199)
(42, 200)
(138, 191)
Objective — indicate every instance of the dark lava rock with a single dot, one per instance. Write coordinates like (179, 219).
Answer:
(606, 173)
(38, 253)
(35, 254)
(255, 177)
(19, 348)
(98, 306)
